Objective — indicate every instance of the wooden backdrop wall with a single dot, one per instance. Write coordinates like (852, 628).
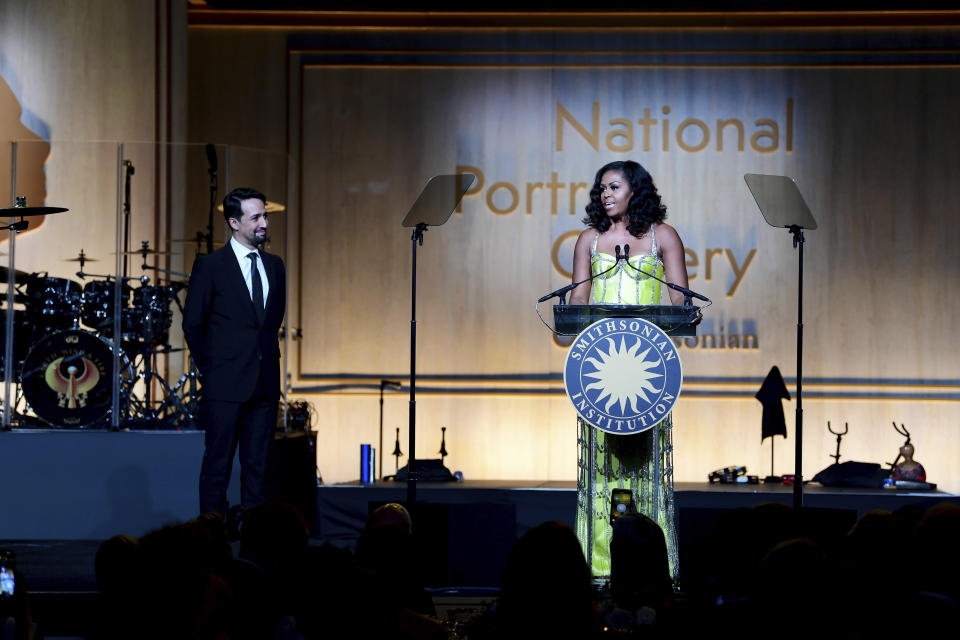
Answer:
(83, 79)
(862, 118)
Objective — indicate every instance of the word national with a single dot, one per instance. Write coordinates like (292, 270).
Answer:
(691, 135)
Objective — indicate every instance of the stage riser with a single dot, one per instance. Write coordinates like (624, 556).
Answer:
(89, 485)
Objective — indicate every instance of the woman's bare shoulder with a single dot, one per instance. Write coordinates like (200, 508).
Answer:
(586, 237)
(665, 233)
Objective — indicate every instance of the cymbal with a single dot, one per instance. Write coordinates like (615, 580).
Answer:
(30, 211)
(272, 207)
(82, 259)
(5, 273)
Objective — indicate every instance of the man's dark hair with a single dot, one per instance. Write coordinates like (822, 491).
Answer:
(231, 203)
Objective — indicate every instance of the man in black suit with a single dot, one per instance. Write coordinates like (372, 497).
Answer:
(231, 319)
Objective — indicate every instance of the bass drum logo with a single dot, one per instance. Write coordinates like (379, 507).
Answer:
(623, 375)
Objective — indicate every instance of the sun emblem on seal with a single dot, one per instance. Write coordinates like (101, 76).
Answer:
(623, 376)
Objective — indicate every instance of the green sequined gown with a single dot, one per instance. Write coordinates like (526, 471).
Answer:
(642, 463)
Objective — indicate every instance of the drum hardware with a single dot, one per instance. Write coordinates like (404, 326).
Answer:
(177, 408)
(187, 392)
(177, 405)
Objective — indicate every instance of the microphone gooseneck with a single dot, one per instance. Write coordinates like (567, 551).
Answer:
(562, 291)
(686, 292)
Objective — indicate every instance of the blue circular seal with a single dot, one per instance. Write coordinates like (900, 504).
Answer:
(623, 375)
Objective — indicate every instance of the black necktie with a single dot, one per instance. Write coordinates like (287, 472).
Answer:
(257, 286)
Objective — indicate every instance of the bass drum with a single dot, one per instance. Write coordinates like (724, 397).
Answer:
(67, 379)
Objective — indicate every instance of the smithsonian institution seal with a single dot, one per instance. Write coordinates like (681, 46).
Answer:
(623, 375)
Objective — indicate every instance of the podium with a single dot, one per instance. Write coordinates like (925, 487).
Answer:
(623, 377)
(679, 321)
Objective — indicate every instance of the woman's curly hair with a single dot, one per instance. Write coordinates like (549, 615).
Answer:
(645, 206)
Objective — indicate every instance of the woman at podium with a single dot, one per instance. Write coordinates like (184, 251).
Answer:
(627, 240)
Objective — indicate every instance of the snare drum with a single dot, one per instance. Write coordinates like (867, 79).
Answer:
(68, 378)
(52, 304)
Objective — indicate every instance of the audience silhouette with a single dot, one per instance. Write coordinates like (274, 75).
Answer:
(761, 568)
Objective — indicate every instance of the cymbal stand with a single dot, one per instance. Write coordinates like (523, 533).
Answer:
(172, 409)
(143, 408)
(185, 397)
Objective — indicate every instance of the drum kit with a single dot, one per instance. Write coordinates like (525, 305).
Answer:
(65, 338)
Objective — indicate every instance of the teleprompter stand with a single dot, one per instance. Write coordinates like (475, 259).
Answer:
(782, 206)
(432, 208)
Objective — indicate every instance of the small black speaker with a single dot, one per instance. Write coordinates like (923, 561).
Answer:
(427, 471)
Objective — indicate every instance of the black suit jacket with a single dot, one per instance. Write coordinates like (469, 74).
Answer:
(220, 325)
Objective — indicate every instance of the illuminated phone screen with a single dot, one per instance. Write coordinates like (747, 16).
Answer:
(621, 502)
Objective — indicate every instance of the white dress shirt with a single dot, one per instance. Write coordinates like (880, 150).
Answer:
(242, 252)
